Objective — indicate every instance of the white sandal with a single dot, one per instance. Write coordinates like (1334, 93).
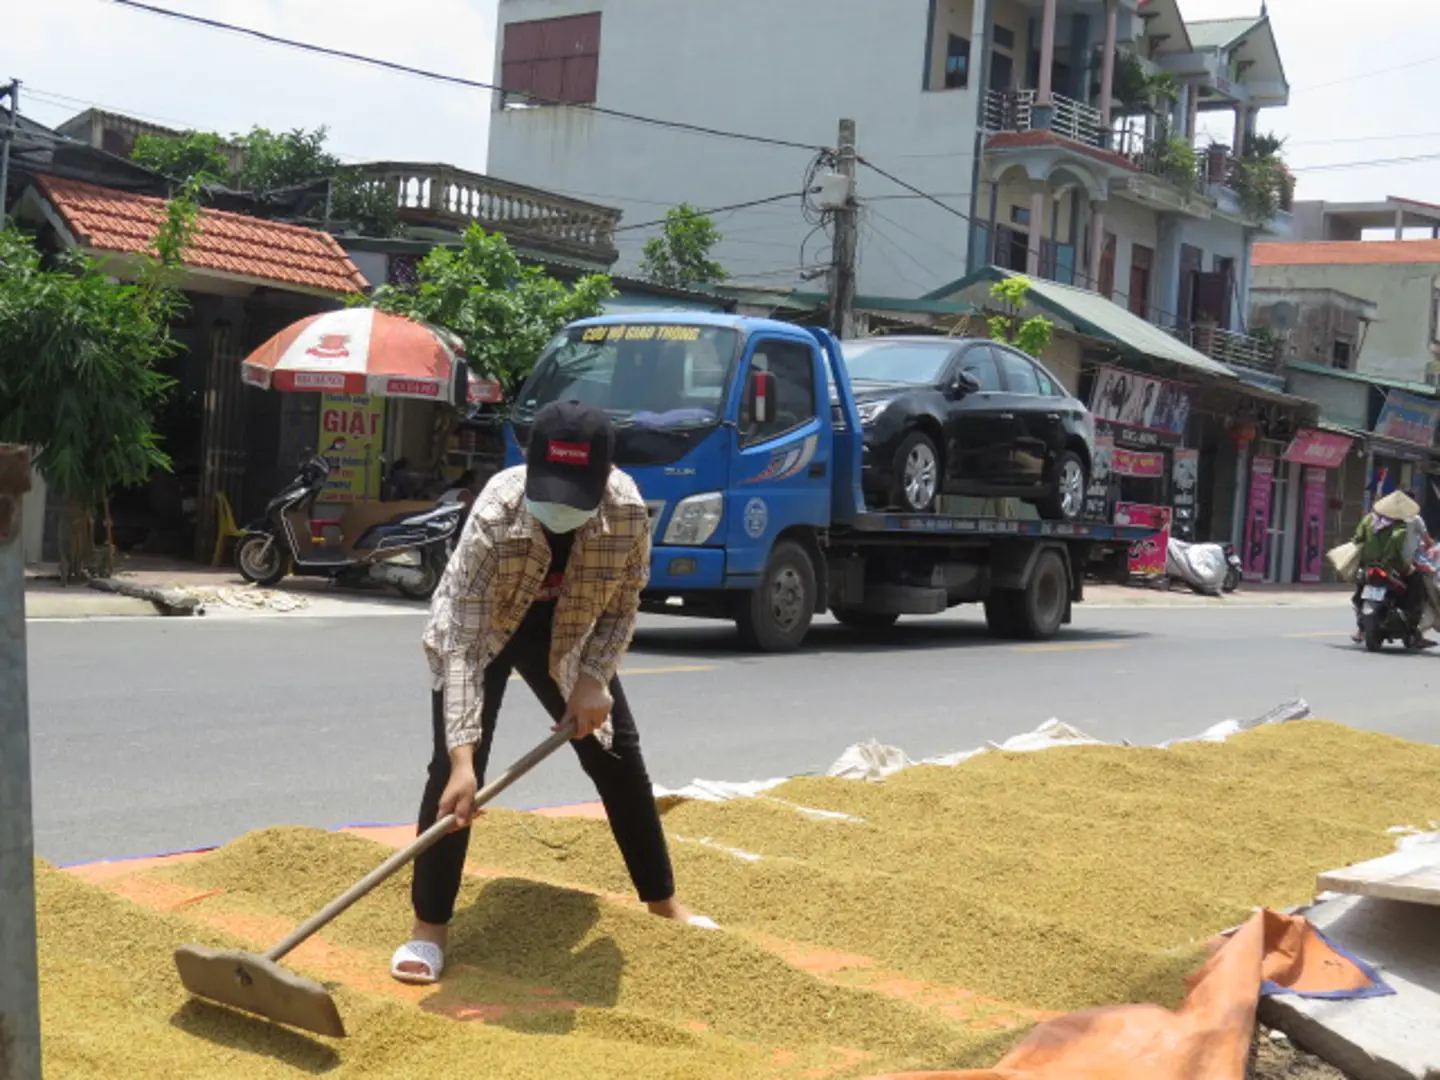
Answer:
(704, 922)
(418, 952)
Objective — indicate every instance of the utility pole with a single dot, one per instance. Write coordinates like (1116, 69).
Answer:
(842, 271)
(12, 92)
(19, 978)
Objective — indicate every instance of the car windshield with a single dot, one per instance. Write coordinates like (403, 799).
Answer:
(646, 374)
(917, 363)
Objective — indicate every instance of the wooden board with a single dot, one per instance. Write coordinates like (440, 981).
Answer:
(1412, 876)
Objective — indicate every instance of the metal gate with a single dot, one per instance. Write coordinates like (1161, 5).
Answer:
(222, 435)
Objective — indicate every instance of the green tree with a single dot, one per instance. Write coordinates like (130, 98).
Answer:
(504, 311)
(186, 157)
(77, 372)
(680, 256)
(1030, 335)
(269, 161)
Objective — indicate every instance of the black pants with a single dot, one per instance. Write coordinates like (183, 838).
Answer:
(619, 776)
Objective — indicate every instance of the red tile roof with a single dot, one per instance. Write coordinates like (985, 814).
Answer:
(104, 219)
(1021, 140)
(1347, 253)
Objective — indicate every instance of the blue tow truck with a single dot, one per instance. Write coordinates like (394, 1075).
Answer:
(753, 483)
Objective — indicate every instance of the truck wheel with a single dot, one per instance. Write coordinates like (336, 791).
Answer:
(775, 616)
(865, 622)
(1040, 609)
(1001, 614)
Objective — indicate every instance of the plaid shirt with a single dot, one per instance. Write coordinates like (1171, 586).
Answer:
(496, 572)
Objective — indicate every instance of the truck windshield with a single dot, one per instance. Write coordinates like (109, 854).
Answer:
(919, 363)
(643, 374)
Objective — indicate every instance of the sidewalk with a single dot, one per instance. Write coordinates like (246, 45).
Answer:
(222, 592)
(1247, 596)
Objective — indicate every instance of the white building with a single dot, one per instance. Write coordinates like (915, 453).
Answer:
(1119, 197)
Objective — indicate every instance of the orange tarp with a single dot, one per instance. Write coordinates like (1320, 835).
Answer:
(1207, 1038)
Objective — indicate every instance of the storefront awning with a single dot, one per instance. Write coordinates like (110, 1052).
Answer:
(1092, 314)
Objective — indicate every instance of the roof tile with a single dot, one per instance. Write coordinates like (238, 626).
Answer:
(108, 220)
(1347, 253)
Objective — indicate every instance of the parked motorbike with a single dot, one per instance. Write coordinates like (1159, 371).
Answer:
(1382, 610)
(407, 553)
(1234, 571)
(1209, 569)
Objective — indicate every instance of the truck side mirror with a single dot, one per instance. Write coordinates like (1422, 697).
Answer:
(762, 396)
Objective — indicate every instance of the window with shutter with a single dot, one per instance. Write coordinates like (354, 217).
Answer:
(551, 61)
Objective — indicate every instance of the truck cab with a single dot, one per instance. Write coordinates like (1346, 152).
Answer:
(725, 423)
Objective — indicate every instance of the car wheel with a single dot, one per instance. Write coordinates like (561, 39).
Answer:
(1066, 500)
(775, 616)
(865, 622)
(916, 472)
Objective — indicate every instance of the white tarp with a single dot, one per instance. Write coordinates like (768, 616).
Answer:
(873, 761)
(1202, 566)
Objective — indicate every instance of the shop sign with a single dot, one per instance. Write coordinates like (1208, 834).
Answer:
(1147, 557)
(1256, 557)
(1312, 546)
(352, 430)
(1144, 464)
(1185, 484)
(1407, 418)
(1097, 494)
(1137, 401)
(1322, 449)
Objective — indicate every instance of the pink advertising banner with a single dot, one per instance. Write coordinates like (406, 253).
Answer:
(1147, 557)
(1312, 543)
(1256, 556)
(1320, 448)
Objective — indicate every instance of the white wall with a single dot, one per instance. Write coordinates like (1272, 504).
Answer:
(1132, 225)
(1397, 346)
(788, 70)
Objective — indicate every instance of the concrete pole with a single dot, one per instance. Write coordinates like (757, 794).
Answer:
(1399, 223)
(846, 246)
(1239, 146)
(1107, 66)
(1097, 242)
(6, 138)
(19, 980)
(1037, 230)
(1045, 93)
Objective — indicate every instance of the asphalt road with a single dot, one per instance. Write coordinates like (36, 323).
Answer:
(154, 735)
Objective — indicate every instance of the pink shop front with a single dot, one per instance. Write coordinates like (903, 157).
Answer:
(1295, 504)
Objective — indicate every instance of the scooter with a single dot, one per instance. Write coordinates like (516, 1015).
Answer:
(1234, 571)
(409, 552)
(1382, 611)
(1205, 568)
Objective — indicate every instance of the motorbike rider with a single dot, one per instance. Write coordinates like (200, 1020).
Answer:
(1390, 537)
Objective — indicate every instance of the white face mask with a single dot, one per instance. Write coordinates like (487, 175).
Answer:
(557, 517)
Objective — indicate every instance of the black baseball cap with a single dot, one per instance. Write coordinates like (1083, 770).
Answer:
(569, 455)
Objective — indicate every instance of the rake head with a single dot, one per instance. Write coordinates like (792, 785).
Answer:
(256, 985)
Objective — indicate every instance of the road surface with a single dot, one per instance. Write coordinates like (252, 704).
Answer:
(154, 735)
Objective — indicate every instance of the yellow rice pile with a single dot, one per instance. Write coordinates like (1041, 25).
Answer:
(1051, 880)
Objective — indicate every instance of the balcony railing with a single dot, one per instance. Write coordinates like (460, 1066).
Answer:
(1070, 119)
(448, 197)
(1228, 347)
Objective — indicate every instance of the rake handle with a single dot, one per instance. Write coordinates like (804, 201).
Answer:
(422, 843)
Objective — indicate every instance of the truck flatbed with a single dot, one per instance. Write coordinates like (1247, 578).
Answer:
(893, 525)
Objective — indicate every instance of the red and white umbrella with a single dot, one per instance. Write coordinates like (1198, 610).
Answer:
(361, 351)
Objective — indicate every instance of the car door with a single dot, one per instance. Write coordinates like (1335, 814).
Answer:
(782, 474)
(977, 437)
(1026, 413)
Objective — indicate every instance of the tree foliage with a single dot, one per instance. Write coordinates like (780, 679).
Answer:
(271, 161)
(680, 256)
(504, 312)
(78, 377)
(1030, 335)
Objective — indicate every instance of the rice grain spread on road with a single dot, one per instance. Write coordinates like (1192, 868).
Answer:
(925, 922)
